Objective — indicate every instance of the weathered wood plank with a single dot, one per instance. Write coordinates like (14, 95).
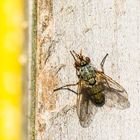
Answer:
(98, 27)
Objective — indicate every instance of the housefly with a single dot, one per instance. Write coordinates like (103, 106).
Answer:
(95, 89)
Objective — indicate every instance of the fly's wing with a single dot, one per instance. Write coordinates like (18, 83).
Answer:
(85, 108)
(115, 94)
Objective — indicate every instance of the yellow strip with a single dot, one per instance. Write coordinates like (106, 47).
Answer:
(11, 41)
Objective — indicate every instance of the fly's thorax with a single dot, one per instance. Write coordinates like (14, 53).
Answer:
(87, 73)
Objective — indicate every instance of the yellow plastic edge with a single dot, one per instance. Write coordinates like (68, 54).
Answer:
(11, 43)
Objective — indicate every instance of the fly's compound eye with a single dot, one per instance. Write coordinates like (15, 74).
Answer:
(87, 59)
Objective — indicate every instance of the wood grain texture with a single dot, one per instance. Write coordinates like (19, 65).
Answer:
(98, 27)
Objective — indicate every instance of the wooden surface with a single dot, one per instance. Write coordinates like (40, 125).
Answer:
(98, 27)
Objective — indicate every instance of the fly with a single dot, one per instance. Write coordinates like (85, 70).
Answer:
(95, 89)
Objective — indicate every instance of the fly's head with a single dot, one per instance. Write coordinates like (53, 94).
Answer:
(80, 60)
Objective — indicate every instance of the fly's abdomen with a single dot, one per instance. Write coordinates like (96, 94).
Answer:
(99, 99)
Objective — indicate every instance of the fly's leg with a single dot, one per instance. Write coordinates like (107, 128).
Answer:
(66, 87)
(87, 111)
(102, 67)
(59, 68)
(102, 62)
